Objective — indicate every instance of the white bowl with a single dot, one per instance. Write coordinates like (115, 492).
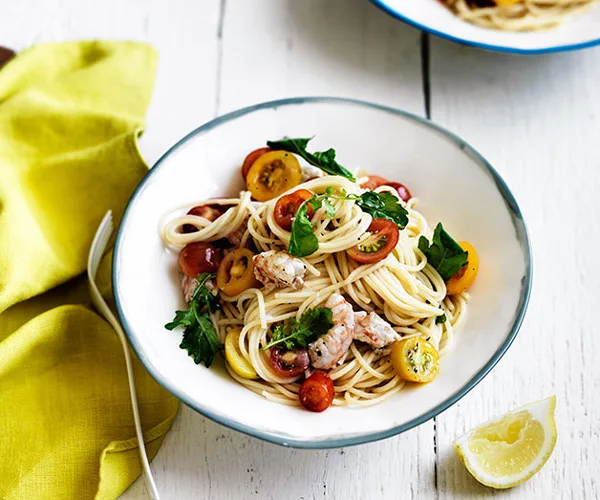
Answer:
(453, 183)
(576, 32)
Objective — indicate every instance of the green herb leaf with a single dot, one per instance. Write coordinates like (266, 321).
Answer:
(325, 160)
(300, 333)
(329, 208)
(384, 205)
(316, 202)
(200, 338)
(303, 241)
(440, 319)
(182, 318)
(443, 254)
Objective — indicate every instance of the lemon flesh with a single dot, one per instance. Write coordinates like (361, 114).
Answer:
(510, 450)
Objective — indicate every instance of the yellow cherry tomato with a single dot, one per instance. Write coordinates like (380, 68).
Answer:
(234, 358)
(272, 174)
(236, 272)
(464, 278)
(415, 360)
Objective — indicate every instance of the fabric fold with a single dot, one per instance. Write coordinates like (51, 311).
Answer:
(70, 116)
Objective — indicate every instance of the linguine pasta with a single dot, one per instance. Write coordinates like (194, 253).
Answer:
(523, 15)
(403, 288)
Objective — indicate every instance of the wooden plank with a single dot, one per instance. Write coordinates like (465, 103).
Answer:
(344, 48)
(537, 120)
(274, 49)
(183, 31)
(263, 50)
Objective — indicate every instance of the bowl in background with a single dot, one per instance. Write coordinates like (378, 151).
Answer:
(576, 32)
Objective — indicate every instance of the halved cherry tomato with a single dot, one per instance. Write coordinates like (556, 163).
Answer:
(415, 360)
(382, 240)
(464, 278)
(375, 181)
(317, 392)
(251, 158)
(236, 272)
(272, 174)
(287, 206)
(199, 257)
(236, 361)
(210, 211)
(289, 363)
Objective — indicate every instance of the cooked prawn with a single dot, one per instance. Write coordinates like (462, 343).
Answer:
(374, 330)
(331, 347)
(279, 270)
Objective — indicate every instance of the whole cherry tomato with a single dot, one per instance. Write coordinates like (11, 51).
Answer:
(464, 278)
(317, 392)
(199, 257)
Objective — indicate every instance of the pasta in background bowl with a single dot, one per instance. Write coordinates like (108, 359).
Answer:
(514, 26)
(387, 142)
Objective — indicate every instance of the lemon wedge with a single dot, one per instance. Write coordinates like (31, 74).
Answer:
(506, 452)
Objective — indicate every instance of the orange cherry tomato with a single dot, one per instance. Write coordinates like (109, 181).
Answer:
(272, 174)
(317, 392)
(236, 272)
(415, 360)
(251, 158)
(375, 181)
(287, 206)
(464, 278)
(382, 240)
(199, 257)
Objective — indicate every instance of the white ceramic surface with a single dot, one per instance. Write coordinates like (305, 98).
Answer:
(576, 32)
(454, 185)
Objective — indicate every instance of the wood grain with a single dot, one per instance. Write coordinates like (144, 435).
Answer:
(269, 49)
(537, 120)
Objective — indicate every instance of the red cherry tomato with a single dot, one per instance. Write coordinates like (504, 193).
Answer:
(210, 211)
(383, 239)
(401, 189)
(287, 206)
(316, 392)
(289, 363)
(251, 158)
(199, 257)
(374, 181)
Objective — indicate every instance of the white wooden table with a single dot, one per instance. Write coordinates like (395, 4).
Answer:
(537, 119)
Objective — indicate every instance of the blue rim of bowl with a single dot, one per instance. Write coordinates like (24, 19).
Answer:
(512, 207)
(382, 4)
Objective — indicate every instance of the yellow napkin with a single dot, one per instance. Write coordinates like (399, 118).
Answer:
(70, 114)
